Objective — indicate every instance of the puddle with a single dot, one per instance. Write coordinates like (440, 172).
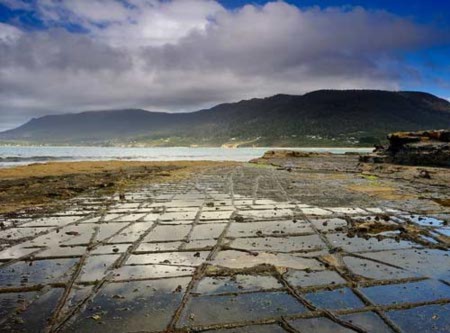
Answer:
(358, 244)
(266, 214)
(369, 321)
(319, 325)
(207, 310)
(413, 292)
(426, 221)
(431, 263)
(280, 244)
(16, 251)
(316, 211)
(111, 249)
(309, 278)
(95, 267)
(178, 209)
(84, 232)
(424, 319)
(242, 203)
(236, 283)
(347, 210)
(139, 272)
(35, 315)
(77, 294)
(176, 216)
(131, 233)
(13, 302)
(237, 259)
(207, 231)
(25, 273)
(106, 218)
(53, 239)
(127, 206)
(52, 221)
(205, 244)
(252, 329)
(16, 234)
(268, 228)
(132, 306)
(444, 231)
(183, 203)
(216, 215)
(130, 217)
(150, 217)
(170, 258)
(106, 230)
(374, 270)
(168, 233)
(61, 252)
(157, 247)
(326, 225)
(217, 207)
(273, 205)
(335, 299)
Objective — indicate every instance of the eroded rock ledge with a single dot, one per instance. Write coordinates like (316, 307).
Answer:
(427, 148)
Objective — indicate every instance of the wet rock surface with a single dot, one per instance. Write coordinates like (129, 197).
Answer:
(310, 245)
(426, 148)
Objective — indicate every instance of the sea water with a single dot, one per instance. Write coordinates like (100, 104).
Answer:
(22, 155)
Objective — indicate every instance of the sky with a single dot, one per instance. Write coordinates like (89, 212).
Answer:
(59, 56)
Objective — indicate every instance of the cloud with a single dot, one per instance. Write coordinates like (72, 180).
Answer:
(9, 33)
(16, 4)
(183, 55)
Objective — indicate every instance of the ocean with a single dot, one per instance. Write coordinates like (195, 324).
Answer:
(23, 155)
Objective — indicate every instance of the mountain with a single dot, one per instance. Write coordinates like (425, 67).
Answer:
(324, 117)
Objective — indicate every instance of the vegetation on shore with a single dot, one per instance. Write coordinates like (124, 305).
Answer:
(322, 118)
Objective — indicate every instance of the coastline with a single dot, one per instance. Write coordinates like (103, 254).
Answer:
(192, 147)
(44, 186)
(168, 224)
(13, 156)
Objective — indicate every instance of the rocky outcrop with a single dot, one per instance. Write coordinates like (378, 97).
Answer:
(281, 153)
(427, 148)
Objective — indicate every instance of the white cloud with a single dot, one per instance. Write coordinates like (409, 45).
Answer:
(136, 22)
(186, 54)
(9, 33)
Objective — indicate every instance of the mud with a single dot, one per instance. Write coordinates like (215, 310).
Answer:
(234, 248)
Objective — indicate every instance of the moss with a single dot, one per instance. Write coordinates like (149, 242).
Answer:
(370, 177)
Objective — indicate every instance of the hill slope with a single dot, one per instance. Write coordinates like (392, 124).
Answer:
(325, 117)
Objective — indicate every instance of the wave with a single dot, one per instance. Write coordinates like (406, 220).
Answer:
(18, 159)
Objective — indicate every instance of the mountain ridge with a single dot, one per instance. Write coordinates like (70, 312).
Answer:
(322, 117)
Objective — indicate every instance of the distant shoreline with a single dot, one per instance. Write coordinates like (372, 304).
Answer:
(11, 156)
(186, 147)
